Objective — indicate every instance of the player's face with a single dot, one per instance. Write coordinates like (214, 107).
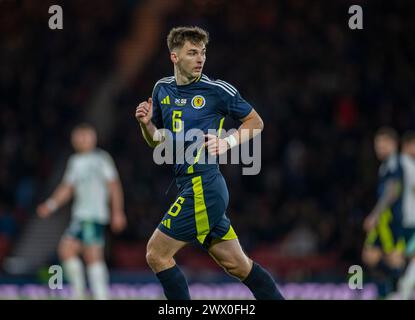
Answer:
(190, 59)
(384, 147)
(84, 140)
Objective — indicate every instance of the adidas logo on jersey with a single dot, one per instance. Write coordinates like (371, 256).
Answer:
(166, 223)
(166, 100)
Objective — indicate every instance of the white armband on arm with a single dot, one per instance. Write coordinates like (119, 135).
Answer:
(231, 140)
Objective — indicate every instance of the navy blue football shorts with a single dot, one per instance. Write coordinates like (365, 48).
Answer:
(387, 235)
(199, 212)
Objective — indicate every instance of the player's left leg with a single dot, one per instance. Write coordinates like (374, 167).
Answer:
(97, 271)
(215, 233)
(93, 238)
(230, 256)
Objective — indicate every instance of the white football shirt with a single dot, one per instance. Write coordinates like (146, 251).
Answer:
(408, 197)
(89, 174)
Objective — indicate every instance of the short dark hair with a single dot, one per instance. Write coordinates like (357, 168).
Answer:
(84, 126)
(388, 132)
(179, 35)
(408, 137)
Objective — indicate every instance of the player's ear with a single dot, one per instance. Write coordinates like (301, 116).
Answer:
(173, 57)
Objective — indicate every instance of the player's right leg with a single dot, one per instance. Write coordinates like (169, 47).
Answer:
(161, 249)
(69, 249)
(392, 242)
(97, 271)
(372, 252)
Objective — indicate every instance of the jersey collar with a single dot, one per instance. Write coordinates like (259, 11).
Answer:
(190, 83)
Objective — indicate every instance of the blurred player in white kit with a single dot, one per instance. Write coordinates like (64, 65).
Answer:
(406, 283)
(92, 179)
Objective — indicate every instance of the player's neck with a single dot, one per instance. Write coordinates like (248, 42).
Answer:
(85, 151)
(181, 79)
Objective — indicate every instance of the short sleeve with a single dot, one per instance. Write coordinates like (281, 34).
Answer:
(70, 174)
(394, 169)
(157, 118)
(108, 167)
(234, 105)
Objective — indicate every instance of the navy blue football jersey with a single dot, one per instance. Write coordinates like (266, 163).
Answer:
(391, 169)
(202, 104)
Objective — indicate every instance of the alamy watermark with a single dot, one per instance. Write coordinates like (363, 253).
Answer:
(355, 277)
(56, 277)
(356, 20)
(190, 148)
(56, 20)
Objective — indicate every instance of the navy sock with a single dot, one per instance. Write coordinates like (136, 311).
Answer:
(174, 284)
(261, 284)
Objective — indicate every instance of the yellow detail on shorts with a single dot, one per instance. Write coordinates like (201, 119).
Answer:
(176, 207)
(201, 217)
(230, 235)
(371, 237)
(401, 245)
(166, 223)
(385, 232)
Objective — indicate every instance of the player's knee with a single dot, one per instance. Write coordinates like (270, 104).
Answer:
(371, 257)
(395, 259)
(369, 260)
(92, 256)
(236, 268)
(155, 260)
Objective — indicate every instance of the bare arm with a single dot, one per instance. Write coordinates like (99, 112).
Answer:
(116, 195)
(60, 196)
(149, 132)
(143, 114)
(251, 126)
(118, 220)
(391, 194)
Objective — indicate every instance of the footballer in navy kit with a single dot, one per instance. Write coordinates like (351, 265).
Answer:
(385, 242)
(190, 100)
(201, 104)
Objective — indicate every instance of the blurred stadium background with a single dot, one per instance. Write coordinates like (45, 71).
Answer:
(321, 88)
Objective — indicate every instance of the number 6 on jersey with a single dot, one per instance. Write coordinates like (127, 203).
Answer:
(177, 121)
